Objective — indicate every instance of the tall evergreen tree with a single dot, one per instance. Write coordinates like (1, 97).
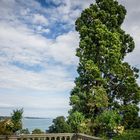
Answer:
(106, 83)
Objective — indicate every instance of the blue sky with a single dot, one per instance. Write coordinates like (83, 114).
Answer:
(37, 53)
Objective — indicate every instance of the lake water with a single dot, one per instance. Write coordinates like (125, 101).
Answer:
(42, 124)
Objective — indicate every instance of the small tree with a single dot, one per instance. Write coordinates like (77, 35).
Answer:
(60, 125)
(37, 131)
(16, 119)
(13, 124)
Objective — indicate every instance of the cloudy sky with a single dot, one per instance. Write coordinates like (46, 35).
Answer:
(37, 53)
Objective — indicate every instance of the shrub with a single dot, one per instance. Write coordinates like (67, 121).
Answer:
(129, 135)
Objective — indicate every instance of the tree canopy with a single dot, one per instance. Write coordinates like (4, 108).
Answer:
(106, 83)
(37, 131)
(16, 119)
(59, 125)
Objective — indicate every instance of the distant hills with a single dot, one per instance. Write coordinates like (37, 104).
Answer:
(35, 118)
(4, 117)
(8, 117)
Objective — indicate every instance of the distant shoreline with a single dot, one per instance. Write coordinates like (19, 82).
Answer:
(35, 118)
(4, 117)
(7, 117)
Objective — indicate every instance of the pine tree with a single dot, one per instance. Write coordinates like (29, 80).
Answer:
(106, 83)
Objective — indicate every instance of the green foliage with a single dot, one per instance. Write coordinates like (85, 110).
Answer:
(37, 131)
(105, 83)
(24, 131)
(131, 113)
(59, 125)
(10, 126)
(129, 135)
(77, 122)
(16, 119)
(137, 123)
(6, 127)
(108, 121)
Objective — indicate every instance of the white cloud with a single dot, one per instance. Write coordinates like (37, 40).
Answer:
(21, 45)
(38, 102)
(47, 105)
(131, 26)
(134, 57)
(32, 50)
(23, 48)
(64, 48)
(40, 19)
(40, 29)
(67, 11)
(54, 79)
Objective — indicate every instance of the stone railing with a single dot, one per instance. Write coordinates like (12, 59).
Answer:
(80, 136)
(51, 136)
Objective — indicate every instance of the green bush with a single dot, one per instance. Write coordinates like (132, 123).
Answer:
(9, 126)
(59, 125)
(129, 135)
(37, 131)
(25, 131)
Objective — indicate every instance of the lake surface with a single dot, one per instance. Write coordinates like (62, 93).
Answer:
(42, 124)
